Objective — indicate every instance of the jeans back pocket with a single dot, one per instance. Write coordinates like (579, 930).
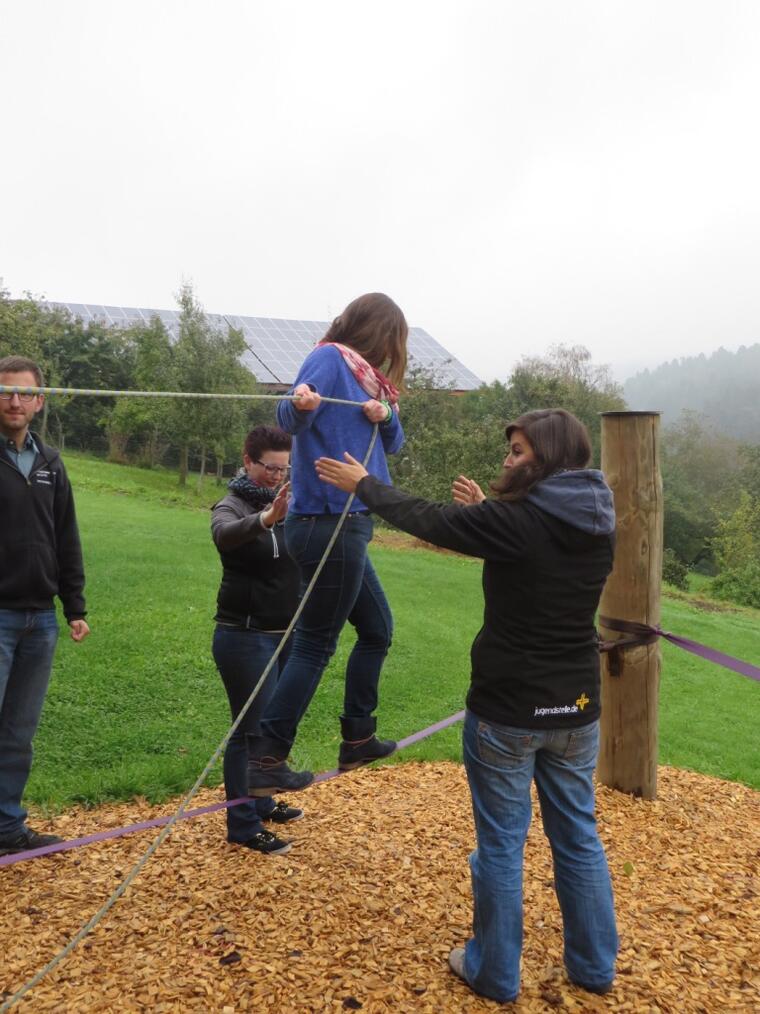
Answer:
(502, 748)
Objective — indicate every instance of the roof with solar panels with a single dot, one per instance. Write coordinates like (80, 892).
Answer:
(277, 347)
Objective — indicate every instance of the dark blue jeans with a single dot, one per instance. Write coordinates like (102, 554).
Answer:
(347, 589)
(241, 657)
(501, 762)
(27, 646)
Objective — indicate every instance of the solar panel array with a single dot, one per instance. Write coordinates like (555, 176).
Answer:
(277, 347)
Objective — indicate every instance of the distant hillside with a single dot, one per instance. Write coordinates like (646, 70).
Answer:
(725, 387)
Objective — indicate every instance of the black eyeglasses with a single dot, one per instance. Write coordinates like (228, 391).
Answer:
(25, 399)
(273, 469)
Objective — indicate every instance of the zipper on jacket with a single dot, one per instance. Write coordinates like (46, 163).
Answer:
(276, 554)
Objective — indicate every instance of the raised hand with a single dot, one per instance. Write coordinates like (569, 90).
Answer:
(278, 508)
(344, 476)
(466, 491)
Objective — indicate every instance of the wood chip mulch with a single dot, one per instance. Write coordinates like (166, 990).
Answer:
(363, 911)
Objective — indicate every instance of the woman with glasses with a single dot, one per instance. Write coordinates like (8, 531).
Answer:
(256, 601)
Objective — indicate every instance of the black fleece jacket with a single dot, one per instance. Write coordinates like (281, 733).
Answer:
(40, 551)
(535, 660)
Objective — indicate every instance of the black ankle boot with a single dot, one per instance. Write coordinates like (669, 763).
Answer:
(360, 744)
(268, 772)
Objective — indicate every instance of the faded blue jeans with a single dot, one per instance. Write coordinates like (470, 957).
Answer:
(501, 762)
(27, 645)
(241, 657)
(347, 589)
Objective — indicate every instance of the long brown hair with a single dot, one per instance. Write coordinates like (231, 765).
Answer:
(559, 442)
(376, 328)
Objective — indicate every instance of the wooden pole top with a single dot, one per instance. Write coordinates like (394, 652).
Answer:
(654, 411)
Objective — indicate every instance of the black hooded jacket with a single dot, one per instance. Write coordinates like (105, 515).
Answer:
(40, 551)
(535, 660)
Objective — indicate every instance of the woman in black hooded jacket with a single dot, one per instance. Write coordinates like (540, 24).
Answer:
(547, 541)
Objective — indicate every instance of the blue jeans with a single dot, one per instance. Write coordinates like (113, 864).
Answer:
(347, 589)
(501, 762)
(241, 657)
(27, 646)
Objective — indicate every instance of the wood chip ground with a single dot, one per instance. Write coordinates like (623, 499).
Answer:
(362, 913)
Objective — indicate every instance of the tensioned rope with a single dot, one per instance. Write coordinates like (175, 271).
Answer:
(179, 813)
(94, 393)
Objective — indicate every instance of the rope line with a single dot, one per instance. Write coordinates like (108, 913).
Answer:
(96, 393)
(146, 825)
(180, 811)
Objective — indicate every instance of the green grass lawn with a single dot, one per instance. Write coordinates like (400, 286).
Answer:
(138, 708)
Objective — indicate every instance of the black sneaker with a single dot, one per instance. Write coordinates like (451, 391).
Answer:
(25, 840)
(284, 814)
(267, 843)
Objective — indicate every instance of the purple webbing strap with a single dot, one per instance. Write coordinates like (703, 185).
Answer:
(643, 633)
(146, 825)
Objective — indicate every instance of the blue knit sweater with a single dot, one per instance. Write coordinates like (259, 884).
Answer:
(330, 430)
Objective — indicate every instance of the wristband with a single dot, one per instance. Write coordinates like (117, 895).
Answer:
(388, 411)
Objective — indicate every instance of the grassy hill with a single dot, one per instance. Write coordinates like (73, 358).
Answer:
(138, 708)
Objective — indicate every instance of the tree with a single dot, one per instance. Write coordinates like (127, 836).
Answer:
(205, 360)
(700, 483)
(70, 354)
(145, 420)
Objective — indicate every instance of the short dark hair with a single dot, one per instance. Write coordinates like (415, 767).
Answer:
(20, 364)
(266, 438)
(560, 442)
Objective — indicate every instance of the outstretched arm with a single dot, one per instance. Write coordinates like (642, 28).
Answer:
(487, 530)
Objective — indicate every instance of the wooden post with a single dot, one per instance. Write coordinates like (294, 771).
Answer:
(631, 677)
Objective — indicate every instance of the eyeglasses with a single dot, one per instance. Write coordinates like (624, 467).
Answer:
(273, 469)
(25, 399)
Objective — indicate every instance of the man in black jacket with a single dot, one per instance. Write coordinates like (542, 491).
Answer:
(40, 557)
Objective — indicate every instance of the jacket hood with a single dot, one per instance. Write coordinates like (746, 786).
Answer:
(579, 497)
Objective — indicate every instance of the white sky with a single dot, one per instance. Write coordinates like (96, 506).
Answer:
(514, 174)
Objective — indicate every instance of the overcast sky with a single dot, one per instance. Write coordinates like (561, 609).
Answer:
(514, 174)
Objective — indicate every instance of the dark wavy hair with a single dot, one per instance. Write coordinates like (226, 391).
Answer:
(374, 326)
(560, 442)
(266, 438)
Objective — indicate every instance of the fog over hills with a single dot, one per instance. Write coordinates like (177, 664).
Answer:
(724, 387)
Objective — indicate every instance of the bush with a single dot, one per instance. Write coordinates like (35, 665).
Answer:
(739, 584)
(674, 570)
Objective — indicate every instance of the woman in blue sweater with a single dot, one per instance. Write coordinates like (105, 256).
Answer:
(370, 333)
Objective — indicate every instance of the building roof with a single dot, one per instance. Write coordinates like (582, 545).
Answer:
(277, 347)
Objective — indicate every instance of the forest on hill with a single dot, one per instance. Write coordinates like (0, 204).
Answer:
(722, 387)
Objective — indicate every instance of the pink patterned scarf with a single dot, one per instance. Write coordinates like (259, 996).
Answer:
(374, 381)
